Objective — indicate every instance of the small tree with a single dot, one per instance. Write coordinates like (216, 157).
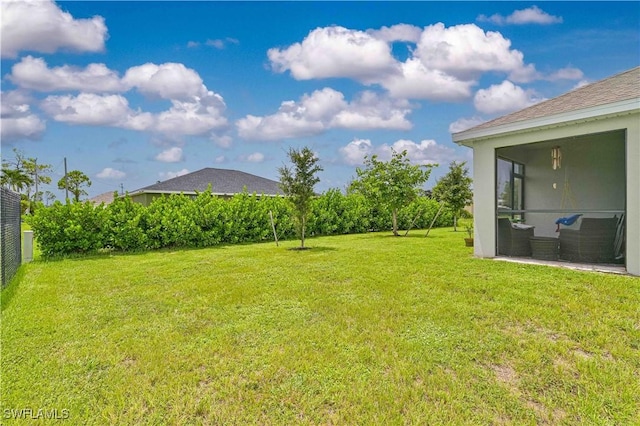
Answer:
(454, 189)
(394, 183)
(74, 183)
(297, 183)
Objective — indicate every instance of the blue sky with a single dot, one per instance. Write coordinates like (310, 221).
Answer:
(135, 92)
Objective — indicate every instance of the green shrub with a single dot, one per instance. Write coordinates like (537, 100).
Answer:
(125, 225)
(207, 220)
(334, 213)
(170, 222)
(69, 228)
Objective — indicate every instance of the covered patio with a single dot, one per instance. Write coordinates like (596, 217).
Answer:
(560, 181)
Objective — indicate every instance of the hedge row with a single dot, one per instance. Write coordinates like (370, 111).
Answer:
(207, 220)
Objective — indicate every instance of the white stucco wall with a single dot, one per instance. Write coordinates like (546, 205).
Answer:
(633, 195)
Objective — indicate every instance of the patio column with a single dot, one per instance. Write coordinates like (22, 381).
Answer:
(633, 195)
(484, 199)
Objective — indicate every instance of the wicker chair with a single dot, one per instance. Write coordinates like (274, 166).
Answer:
(513, 241)
(592, 243)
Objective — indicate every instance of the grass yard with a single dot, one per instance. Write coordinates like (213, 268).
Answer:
(361, 329)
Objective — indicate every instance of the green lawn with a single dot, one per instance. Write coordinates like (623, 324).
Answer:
(361, 329)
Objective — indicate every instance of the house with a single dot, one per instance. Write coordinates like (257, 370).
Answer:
(223, 183)
(577, 154)
(105, 198)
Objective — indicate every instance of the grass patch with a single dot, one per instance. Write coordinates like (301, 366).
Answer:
(361, 329)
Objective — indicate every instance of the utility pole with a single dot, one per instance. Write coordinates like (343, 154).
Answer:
(121, 189)
(35, 163)
(66, 182)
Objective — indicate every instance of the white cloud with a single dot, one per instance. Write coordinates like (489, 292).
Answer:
(580, 84)
(42, 26)
(217, 43)
(16, 119)
(220, 159)
(354, 152)
(423, 152)
(28, 126)
(444, 63)
(335, 52)
(465, 51)
(171, 175)
(33, 73)
(281, 125)
(171, 155)
(222, 140)
(463, 124)
(399, 32)
(323, 110)
(525, 74)
(194, 111)
(168, 81)
(193, 118)
(183, 118)
(96, 110)
(371, 111)
(504, 97)
(416, 81)
(109, 173)
(567, 73)
(531, 15)
(255, 157)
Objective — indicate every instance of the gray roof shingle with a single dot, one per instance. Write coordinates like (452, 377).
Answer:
(620, 87)
(222, 181)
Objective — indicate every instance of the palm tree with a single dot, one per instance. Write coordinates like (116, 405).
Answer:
(15, 179)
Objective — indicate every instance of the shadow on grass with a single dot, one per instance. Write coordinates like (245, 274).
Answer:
(9, 291)
(414, 233)
(113, 253)
(314, 249)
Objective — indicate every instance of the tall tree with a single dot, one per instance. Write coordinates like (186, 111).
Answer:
(454, 189)
(297, 182)
(14, 179)
(394, 183)
(25, 174)
(75, 182)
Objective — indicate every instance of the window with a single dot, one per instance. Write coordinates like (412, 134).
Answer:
(510, 189)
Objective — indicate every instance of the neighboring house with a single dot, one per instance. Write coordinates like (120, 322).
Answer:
(578, 153)
(105, 198)
(223, 183)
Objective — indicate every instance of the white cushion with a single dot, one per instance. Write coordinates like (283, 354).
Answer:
(521, 226)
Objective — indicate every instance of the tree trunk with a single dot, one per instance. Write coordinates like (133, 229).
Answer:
(455, 223)
(395, 222)
(302, 225)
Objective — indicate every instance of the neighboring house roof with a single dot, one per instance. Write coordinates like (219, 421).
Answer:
(222, 181)
(106, 198)
(614, 95)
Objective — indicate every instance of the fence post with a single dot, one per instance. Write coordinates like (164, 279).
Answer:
(27, 246)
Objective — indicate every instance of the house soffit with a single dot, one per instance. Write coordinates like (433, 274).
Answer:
(601, 112)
